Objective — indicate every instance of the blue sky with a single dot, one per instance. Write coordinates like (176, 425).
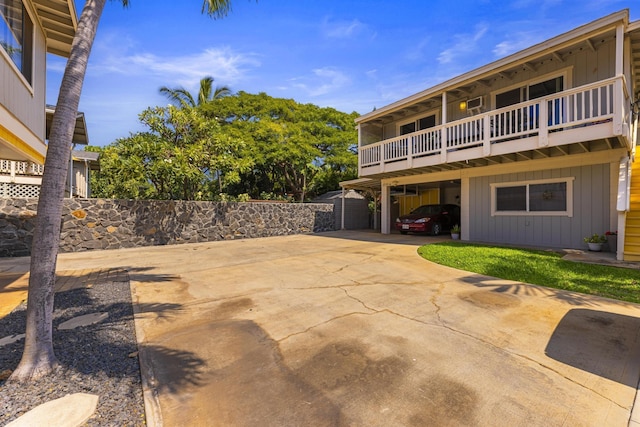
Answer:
(352, 55)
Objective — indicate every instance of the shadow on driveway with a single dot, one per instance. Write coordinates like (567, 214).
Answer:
(598, 342)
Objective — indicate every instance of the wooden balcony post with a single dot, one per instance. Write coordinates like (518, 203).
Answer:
(618, 109)
(619, 50)
(486, 134)
(543, 124)
(443, 134)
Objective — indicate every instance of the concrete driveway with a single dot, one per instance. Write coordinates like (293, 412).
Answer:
(350, 328)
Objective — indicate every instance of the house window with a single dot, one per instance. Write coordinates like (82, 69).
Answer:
(543, 197)
(16, 35)
(530, 91)
(417, 125)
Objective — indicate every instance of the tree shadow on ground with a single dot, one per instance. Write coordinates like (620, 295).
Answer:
(108, 347)
(602, 343)
(495, 284)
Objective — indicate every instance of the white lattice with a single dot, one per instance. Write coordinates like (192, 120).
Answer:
(5, 166)
(20, 168)
(37, 169)
(9, 190)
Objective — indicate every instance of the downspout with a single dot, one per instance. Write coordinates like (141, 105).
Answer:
(86, 178)
(73, 147)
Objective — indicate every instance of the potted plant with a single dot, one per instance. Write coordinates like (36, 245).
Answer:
(595, 242)
(455, 232)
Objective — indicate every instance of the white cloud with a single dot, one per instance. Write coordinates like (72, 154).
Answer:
(514, 43)
(417, 52)
(323, 81)
(341, 30)
(224, 64)
(344, 29)
(464, 43)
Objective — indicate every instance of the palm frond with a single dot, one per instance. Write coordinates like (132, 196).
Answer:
(216, 8)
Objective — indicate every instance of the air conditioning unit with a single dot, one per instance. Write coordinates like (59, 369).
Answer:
(474, 105)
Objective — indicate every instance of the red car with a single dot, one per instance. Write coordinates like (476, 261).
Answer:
(432, 219)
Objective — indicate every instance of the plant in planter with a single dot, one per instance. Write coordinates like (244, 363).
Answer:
(455, 232)
(595, 242)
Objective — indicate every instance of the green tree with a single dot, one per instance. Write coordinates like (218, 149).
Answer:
(205, 94)
(179, 157)
(38, 358)
(296, 148)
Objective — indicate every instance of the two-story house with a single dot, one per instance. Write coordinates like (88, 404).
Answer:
(29, 29)
(536, 148)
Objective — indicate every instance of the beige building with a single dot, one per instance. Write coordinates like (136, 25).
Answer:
(536, 148)
(29, 30)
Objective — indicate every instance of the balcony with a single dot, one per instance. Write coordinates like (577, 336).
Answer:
(23, 179)
(588, 118)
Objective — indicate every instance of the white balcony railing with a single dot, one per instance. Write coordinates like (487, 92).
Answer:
(604, 102)
(14, 168)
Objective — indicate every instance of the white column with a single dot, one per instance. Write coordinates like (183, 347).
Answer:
(342, 211)
(359, 129)
(87, 179)
(465, 196)
(375, 210)
(622, 222)
(443, 135)
(619, 49)
(444, 107)
(385, 202)
(623, 202)
(71, 176)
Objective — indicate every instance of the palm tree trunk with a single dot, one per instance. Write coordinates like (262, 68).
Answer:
(38, 358)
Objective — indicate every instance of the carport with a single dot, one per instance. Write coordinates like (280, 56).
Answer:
(400, 195)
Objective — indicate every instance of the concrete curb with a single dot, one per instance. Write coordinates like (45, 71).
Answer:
(152, 411)
(634, 421)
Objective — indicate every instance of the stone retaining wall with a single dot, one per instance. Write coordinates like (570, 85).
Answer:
(111, 224)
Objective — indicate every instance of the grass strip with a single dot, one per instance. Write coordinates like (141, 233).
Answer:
(546, 268)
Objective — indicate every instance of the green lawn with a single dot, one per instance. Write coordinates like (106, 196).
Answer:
(544, 268)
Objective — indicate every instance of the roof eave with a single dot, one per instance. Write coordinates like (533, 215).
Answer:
(80, 134)
(598, 25)
(59, 21)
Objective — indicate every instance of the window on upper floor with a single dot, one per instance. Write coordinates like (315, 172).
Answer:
(529, 91)
(16, 35)
(419, 124)
(542, 197)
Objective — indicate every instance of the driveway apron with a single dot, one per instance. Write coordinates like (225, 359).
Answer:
(355, 329)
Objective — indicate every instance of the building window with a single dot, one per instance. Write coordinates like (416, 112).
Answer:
(532, 90)
(418, 125)
(16, 35)
(544, 197)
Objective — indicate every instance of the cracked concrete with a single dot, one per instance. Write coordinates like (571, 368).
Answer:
(351, 328)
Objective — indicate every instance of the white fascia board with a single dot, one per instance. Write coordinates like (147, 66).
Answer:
(633, 26)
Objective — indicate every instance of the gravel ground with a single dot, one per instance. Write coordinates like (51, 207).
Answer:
(99, 359)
